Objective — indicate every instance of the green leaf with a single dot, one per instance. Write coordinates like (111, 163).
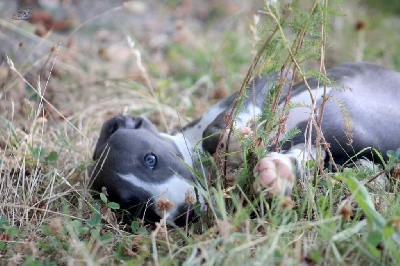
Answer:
(103, 198)
(106, 238)
(380, 156)
(315, 256)
(32, 262)
(374, 251)
(95, 208)
(94, 221)
(52, 156)
(135, 226)
(142, 231)
(12, 231)
(113, 205)
(197, 210)
(78, 227)
(310, 164)
(45, 229)
(364, 200)
(136, 229)
(374, 238)
(95, 234)
(388, 231)
(2, 245)
(38, 152)
(391, 153)
(3, 221)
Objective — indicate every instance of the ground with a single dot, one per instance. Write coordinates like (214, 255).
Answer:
(66, 66)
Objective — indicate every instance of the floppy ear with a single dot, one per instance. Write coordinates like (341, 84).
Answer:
(120, 121)
(109, 127)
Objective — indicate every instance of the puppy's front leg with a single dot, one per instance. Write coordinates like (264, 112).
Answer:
(276, 173)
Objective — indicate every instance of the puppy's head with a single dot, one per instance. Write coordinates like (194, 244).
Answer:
(144, 171)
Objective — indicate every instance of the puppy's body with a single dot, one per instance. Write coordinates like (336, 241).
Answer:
(139, 165)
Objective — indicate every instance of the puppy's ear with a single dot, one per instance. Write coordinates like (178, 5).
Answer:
(120, 122)
(108, 128)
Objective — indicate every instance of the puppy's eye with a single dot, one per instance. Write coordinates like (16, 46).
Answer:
(150, 160)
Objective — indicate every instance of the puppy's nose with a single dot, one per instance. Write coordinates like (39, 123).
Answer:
(186, 214)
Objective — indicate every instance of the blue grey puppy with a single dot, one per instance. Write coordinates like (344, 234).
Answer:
(140, 166)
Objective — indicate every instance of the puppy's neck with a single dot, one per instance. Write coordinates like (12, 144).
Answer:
(189, 145)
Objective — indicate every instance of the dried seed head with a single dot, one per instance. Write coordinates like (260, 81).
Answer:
(55, 225)
(164, 204)
(396, 171)
(219, 92)
(360, 25)
(288, 203)
(179, 25)
(190, 199)
(129, 252)
(346, 212)
(225, 228)
(396, 224)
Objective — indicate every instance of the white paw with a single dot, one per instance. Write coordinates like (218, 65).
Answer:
(274, 175)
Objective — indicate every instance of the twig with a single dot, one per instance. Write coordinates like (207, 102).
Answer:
(146, 77)
(246, 81)
(375, 176)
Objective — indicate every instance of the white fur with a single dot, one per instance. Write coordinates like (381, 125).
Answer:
(174, 189)
(195, 134)
(303, 112)
(251, 113)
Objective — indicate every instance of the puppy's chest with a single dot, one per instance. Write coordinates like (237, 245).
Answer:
(215, 120)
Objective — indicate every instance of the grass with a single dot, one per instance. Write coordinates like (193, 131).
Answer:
(50, 122)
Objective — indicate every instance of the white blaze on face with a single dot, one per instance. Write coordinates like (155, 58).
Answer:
(175, 189)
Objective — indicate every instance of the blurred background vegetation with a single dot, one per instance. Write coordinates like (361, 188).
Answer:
(388, 7)
(202, 48)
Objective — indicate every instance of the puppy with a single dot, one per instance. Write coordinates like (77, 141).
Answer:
(141, 167)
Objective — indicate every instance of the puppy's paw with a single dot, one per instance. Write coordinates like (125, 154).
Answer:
(274, 175)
